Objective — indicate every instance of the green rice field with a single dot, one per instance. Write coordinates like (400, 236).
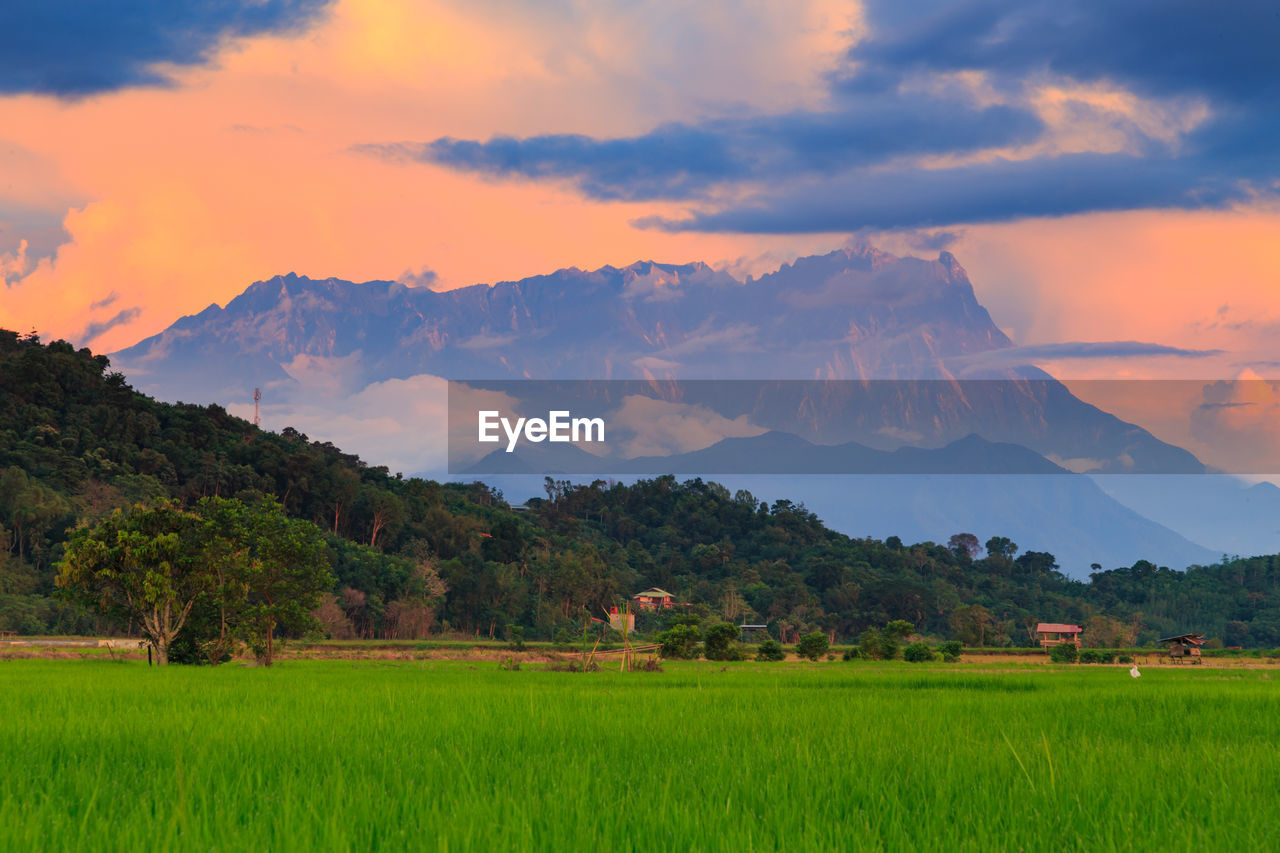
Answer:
(364, 755)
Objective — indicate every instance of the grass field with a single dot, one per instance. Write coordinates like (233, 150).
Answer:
(340, 755)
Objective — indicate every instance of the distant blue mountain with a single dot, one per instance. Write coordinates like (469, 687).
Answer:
(1238, 517)
(776, 452)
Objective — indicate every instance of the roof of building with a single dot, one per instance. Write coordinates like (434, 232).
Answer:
(1188, 639)
(1057, 628)
(654, 593)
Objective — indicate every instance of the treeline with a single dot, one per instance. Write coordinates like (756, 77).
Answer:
(76, 443)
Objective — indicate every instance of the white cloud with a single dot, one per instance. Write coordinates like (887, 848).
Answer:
(661, 428)
(1240, 419)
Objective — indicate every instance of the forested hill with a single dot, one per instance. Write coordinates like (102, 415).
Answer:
(76, 442)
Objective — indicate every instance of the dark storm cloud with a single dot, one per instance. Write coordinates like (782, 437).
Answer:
(1224, 51)
(72, 48)
(987, 192)
(686, 161)
(99, 327)
(855, 165)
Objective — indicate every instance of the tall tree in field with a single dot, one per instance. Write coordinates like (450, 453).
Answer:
(225, 543)
(284, 572)
(142, 565)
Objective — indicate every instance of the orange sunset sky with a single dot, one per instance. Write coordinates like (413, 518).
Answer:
(175, 174)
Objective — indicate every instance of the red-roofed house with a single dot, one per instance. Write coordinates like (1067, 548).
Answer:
(1054, 633)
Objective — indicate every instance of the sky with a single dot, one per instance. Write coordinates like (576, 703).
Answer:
(1105, 172)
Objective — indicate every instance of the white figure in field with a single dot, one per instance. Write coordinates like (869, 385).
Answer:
(1134, 671)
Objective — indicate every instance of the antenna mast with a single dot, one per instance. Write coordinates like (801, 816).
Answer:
(257, 395)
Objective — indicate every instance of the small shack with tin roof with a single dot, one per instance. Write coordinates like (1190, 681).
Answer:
(1184, 647)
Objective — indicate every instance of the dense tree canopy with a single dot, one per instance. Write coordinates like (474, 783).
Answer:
(411, 556)
(249, 569)
(139, 565)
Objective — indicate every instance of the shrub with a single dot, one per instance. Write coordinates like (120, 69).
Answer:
(574, 666)
(951, 650)
(889, 646)
(679, 642)
(1088, 656)
(770, 650)
(721, 642)
(899, 628)
(917, 653)
(1106, 656)
(1063, 653)
(32, 626)
(515, 638)
(1124, 659)
(851, 653)
(869, 644)
(813, 646)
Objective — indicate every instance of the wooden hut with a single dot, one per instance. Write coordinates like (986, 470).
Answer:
(1184, 647)
(1055, 634)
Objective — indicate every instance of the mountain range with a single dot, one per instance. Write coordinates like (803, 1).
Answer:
(905, 336)
(845, 315)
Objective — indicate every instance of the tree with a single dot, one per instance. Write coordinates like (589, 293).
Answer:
(679, 642)
(224, 546)
(284, 575)
(917, 653)
(770, 651)
(412, 615)
(342, 490)
(1001, 548)
(964, 545)
(140, 565)
(1064, 653)
(971, 624)
(885, 643)
(950, 650)
(1107, 633)
(720, 642)
(385, 511)
(899, 628)
(29, 508)
(813, 646)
